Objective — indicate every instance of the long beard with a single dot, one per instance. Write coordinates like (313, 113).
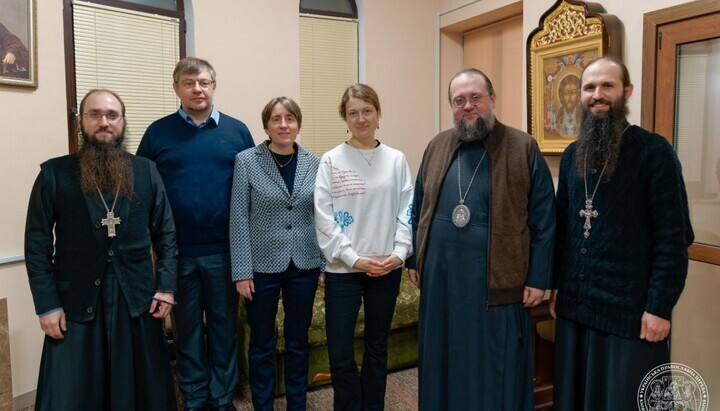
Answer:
(601, 140)
(105, 166)
(477, 131)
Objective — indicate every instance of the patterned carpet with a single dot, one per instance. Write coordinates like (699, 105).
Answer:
(401, 395)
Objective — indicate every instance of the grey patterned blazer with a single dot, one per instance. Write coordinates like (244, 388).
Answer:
(268, 226)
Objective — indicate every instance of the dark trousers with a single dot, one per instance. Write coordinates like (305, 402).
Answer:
(298, 294)
(344, 292)
(112, 362)
(207, 370)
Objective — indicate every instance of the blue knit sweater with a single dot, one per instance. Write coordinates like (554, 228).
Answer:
(196, 165)
(635, 259)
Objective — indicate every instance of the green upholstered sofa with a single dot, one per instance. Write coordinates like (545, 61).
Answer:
(402, 343)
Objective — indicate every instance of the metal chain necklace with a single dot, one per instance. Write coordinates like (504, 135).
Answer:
(461, 212)
(110, 220)
(278, 163)
(372, 155)
(588, 212)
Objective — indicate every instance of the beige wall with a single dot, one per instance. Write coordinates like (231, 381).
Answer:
(399, 64)
(256, 55)
(33, 128)
(504, 42)
(399, 61)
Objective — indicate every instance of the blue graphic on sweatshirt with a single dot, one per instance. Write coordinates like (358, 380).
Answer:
(344, 219)
(408, 213)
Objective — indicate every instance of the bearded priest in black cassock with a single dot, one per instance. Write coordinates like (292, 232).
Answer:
(623, 230)
(92, 220)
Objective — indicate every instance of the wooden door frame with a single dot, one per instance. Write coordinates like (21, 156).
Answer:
(651, 29)
(652, 23)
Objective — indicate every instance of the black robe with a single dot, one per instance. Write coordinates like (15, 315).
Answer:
(113, 356)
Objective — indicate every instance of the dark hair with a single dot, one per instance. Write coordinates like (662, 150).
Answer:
(472, 72)
(615, 60)
(192, 65)
(361, 91)
(106, 91)
(288, 103)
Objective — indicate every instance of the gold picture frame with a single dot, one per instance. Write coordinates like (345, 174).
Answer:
(570, 35)
(18, 43)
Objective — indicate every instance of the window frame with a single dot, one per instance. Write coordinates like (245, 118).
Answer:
(353, 15)
(68, 28)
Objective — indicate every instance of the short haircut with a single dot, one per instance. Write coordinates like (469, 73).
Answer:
(472, 72)
(362, 92)
(288, 103)
(625, 74)
(192, 65)
(97, 91)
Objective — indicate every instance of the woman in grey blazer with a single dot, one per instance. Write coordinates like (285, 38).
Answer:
(274, 248)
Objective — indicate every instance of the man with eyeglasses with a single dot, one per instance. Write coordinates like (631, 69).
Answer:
(92, 220)
(483, 230)
(195, 149)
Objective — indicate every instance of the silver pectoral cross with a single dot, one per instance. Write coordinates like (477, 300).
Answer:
(587, 214)
(110, 221)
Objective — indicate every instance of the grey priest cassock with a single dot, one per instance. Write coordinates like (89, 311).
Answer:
(483, 223)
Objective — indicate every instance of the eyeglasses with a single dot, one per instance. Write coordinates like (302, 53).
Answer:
(96, 116)
(204, 83)
(475, 99)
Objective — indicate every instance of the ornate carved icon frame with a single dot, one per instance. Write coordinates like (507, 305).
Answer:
(569, 35)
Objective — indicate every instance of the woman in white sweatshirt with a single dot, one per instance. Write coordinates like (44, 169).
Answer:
(363, 193)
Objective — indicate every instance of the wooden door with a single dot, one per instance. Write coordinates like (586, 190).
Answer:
(686, 106)
(681, 101)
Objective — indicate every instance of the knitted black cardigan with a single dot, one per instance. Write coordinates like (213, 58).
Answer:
(635, 259)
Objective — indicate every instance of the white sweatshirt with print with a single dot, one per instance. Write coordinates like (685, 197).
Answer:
(363, 210)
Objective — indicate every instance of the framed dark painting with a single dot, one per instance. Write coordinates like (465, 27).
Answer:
(18, 43)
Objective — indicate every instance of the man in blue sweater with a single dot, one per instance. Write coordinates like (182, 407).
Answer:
(623, 230)
(194, 149)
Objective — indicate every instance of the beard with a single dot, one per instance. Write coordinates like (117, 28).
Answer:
(477, 131)
(105, 166)
(601, 138)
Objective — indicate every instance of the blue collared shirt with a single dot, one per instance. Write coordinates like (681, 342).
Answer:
(214, 115)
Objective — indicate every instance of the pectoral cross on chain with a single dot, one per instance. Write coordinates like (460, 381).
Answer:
(110, 221)
(587, 214)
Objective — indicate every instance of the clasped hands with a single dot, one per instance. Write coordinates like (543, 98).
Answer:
(374, 268)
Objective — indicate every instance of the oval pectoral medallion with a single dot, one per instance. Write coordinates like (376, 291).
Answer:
(461, 215)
